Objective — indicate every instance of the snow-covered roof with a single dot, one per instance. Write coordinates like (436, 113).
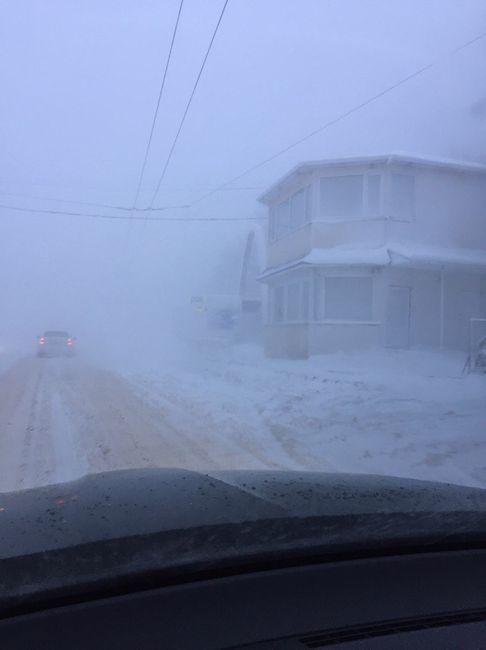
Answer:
(391, 254)
(396, 158)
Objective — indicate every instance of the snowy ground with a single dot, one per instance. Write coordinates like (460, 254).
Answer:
(406, 413)
(403, 413)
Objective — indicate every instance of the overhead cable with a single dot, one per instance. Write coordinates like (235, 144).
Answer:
(108, 206)
(92, 215)
(157, 106)
(189, 102)
(338, 118)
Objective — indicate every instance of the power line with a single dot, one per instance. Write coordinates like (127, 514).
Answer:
(171, 151)
(156, 112)
(223, 186)
(125, 208)
(120, 217)
(93, 204)
(339, 118)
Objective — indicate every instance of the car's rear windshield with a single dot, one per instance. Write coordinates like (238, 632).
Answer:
(56, 333)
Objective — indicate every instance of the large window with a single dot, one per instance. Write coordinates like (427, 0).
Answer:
(297, 209)
(348, 298)
(352, 196)
(291, 302)
(339, 298)
(305, 299)
(283, 218)
(342, 196)
(272, 224)
(291, 213)
(373, 194)
(278, 304)
(403, 197)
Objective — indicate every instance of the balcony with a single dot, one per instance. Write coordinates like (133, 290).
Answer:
(370, 233)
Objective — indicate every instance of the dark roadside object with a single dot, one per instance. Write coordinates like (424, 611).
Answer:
(480, 363)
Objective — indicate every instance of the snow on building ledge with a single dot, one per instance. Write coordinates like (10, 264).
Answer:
(390, 255)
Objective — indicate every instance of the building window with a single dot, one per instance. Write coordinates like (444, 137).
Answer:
(342, 196)
(290, 214)
(272, 224)
(278, 304)
(348, 298)
(352, 196)
(305, 300)
(308, 203)
(293, 301)
(373, 207)
(340, 298)
(403, 197)
(282, 211)
(297, 209)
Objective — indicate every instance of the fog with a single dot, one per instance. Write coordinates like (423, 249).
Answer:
(227, 306)
(79, 83)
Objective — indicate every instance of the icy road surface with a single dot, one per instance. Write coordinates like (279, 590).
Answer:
(404, 414)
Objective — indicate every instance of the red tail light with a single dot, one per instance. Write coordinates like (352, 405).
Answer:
(41, 340)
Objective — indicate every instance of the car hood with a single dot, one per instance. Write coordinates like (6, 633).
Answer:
(138, 528)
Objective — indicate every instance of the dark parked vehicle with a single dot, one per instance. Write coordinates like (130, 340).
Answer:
(55, 344)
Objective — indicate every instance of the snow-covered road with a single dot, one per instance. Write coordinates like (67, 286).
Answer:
(61, 418)
(405, 414)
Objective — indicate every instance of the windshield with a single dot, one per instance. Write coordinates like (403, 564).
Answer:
(263, 226)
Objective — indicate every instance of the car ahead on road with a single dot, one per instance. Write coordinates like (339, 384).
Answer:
(176, 559)
(55, 343)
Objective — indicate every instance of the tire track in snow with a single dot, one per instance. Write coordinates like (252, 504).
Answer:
(121, 430)
(26, 463)
(69, 459)
(228, 431)
(38, 445)
(19, 401)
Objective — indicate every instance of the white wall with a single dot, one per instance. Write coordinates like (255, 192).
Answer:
(328, 337)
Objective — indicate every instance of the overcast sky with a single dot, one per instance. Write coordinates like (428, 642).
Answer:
(79, 81)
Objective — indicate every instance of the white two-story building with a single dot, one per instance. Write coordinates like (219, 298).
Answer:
(385, 250)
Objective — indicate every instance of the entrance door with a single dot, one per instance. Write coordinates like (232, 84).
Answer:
(398, 317)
